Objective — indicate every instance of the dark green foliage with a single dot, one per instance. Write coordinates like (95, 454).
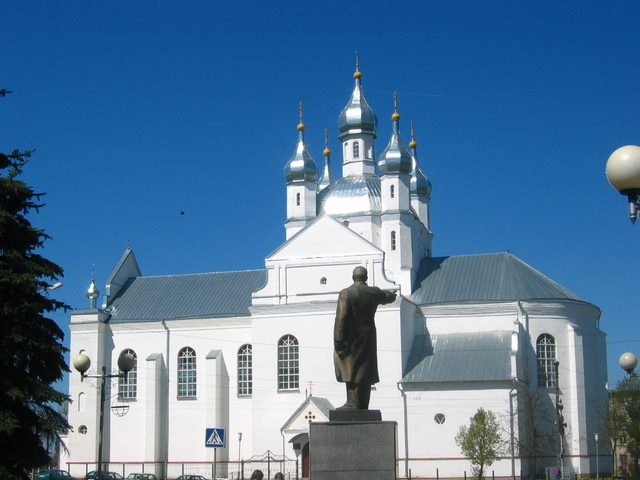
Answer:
(31, 350)
(623, 422)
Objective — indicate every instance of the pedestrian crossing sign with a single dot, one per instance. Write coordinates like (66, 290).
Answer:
(214, 438)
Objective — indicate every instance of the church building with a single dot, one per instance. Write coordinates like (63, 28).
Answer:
(231, 366)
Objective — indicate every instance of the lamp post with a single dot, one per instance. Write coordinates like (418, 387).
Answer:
(82, 363)
(559, 420)
(597, 458)
(240, 469)
(623, 172)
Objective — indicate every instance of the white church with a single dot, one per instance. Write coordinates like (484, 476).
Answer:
(249, 353)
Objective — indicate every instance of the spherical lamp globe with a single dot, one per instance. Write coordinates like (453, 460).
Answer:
(628, 362)
(623, 169)
(82, 363)
(126, 362)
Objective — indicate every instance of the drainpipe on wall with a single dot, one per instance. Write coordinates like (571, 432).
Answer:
(167, 392)
(406, 430)
(512, 395)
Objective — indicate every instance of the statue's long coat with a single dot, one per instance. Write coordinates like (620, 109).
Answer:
(354, 333)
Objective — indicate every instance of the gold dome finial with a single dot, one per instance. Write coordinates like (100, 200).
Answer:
(412, 143)
(301, 126)
(326, 151)
(358, 74)
(396, 115)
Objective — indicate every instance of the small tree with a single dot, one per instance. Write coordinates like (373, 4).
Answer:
(534, 435)
(623, 422)
(31, 350)
(480, 441)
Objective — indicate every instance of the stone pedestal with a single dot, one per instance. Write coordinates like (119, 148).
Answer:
(349, 449)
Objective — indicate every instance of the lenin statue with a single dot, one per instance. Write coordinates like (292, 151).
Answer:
(354, 338)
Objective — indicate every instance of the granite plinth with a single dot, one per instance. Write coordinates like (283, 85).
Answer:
(353, 450)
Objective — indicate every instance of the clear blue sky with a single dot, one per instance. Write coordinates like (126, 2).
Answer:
(141, 110)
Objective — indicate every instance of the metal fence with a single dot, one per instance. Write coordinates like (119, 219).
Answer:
(269, 463)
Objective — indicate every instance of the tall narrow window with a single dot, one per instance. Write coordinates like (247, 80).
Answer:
(186, 373)
(245, 370)
(392, 191)
(546, 353)
(128, 387)
(356, 150)
(393, 240)
(298, 199)
(288, 363)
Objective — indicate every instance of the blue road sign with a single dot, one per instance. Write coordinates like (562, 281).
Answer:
(214, 438)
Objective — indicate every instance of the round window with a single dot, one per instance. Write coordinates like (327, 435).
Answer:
(439, 418)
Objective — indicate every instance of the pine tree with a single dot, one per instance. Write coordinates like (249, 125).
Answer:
(31, 350)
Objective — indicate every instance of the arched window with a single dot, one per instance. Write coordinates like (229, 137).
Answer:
(546, 353)
(288, 363)
(245, 370)
(128, 387)
(393, 240)
(186, 373)
(356, 150)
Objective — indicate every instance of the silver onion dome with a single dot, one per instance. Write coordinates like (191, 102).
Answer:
(357, 117)
(351, 195)
(420, 184)
(92, 294)
(301, 167)
(395, 158)
(326, 177)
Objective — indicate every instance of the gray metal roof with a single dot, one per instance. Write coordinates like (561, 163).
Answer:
(183, 296)
(460, 357)
(484, 278)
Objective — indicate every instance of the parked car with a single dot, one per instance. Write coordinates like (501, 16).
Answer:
(142, 476)
(191, 477)
(53, 474)
(103, 476)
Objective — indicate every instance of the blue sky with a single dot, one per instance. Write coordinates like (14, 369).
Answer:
(141, 110)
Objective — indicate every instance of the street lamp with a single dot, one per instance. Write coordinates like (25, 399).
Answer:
(628, 361)
(240, 469)
(623, 172)
(560, 424)
(597, 458)
(82, 363)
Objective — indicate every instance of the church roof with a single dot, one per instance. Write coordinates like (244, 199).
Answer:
(322, 404)
(460, 357)
(484, 278)
(184, 296)
(459, 279)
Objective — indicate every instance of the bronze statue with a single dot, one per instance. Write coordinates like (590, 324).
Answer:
(354, 338)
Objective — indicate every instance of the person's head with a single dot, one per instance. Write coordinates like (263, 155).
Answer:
(257, 475)
(359, 274)
(279, 476)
